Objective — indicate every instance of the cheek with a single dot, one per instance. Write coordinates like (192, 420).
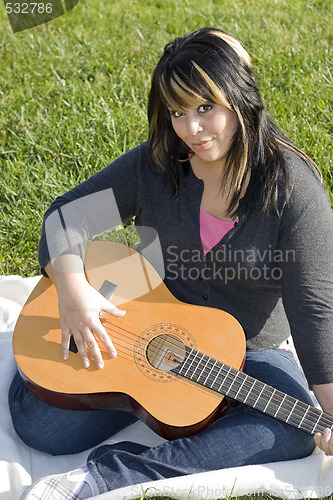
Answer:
(226, 125)
(219, 124)
(231, 122)
(178, 127)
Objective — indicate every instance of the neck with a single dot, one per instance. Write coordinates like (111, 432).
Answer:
(208, 171)
(223, 379)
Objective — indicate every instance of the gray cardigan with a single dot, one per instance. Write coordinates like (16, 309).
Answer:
(274, 274)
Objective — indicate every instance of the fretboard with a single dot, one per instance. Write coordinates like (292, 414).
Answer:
(223, 379)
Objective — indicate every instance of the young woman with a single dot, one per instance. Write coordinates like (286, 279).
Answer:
(218, 180)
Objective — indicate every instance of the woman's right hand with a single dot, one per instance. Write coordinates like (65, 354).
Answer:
(79, 308)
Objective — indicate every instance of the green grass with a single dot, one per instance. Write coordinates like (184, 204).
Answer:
(74, 91)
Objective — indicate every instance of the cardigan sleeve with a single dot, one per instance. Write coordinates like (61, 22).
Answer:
(306, 242)
(98, 204)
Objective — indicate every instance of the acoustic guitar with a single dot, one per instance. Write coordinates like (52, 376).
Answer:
(175, 362)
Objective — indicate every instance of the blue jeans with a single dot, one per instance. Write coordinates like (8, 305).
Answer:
(243, 436)
(58, 431)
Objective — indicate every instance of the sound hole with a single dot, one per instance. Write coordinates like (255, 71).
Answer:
(165, 352)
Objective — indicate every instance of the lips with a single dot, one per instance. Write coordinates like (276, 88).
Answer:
(202, 145)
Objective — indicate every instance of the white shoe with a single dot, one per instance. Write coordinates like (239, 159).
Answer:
(67, 486)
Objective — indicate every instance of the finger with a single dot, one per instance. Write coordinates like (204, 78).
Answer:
(94, 349)
(317, 439)
(81, 347)
(324, 441)
(65, 341)
(112, 309)
(103, 336)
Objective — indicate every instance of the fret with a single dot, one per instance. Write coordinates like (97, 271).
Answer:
(317, 421)
(271, 396)
(203, 369)
(226, 380)
(219, 389)
(299, 425)
(221, 383)
(216, 376)
(183, 367)
(211, 371)
(195, 355)
(198, 363)
(279, 407)
(291, 411)
(245, 377)
(232, 383)
(249, 392)
(258, 397)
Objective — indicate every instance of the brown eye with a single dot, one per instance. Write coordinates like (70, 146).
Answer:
(204, 108)
(176, 114)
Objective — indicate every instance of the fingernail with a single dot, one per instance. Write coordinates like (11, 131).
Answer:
(65, 356)
(100, 365)
(86, 363)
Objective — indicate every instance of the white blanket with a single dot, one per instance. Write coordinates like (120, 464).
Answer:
(20, 465)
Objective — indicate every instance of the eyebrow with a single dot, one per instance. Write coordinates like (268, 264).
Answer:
(170, 108)
(182, 108)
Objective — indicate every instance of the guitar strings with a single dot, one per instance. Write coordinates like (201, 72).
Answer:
(125, 350)
(285, 403)
(278, 397)
(294, 417)
(141, 324)
(172, 344)
(248, 385)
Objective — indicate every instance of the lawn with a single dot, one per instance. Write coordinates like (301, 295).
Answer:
(74, 92)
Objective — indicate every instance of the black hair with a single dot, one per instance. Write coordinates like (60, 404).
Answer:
(211, 65)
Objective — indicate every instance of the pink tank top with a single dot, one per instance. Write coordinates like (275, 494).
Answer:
(212, 229)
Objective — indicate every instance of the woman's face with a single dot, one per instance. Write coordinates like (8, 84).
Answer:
(207, 129)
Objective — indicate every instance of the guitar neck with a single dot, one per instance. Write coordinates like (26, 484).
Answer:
(223, 379)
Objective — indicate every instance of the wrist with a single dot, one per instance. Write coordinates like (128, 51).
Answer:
(65, 269)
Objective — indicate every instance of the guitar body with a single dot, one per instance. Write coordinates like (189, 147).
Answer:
(150, 340)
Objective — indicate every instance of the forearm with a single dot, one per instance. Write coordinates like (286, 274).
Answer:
(65, 270)
(324, 395)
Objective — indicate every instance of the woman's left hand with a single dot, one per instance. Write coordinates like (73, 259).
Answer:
(324, 395)
(325, 441)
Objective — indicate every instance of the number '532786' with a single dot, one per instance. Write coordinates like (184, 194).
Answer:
(28, 8)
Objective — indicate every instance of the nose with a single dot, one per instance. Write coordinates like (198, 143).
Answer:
(193, 124)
